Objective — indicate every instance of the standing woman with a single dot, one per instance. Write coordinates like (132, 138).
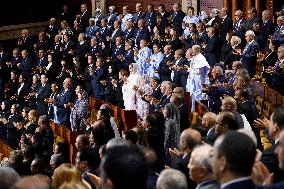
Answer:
(172, 129)
(129, 96)
(79, 111)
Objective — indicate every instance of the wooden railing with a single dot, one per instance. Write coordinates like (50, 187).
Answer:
(14, 31)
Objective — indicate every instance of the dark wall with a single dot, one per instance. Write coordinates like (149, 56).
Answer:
(25, 11)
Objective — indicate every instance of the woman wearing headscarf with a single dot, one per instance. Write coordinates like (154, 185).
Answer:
(129, 96)
(172, 129)
(79, 111)
(143, 89)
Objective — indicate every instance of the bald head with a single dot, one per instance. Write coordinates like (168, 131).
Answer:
(189, 139)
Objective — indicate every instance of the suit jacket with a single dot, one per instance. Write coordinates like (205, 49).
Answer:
(164, 71)
(212, 50)
(63, 114)
(211, 137)
(129, 34)
(26, 64)
(42, 62)
(267, 29)
(164, 21)
(278, 185)
(84, 20)
(177, 19)
(226, 26)
(212, 184)
(249, 56)
(141, 34)
(103, 33)
(246, 184)
(128, 59)
(23, 92)
(43, 92)
(114, 35)
(182, 165)
(94, 50)
(180, 77)
(150, 19)
(97, 87)
(138, 16)
(91, 31)
(52, 31)
(111, 18)
(269, 158)
(27, 43)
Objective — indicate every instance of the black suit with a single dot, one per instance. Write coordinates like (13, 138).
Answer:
(64, 97)
(164, 71)
(249, 56)
(212, 50)
(114, 35)
(138, 16)
(177, 20)
(182, 165)
(84, 20)
(246, 184)
(81, 51)
(164, 21)
(150, 19)
(269, 158)
(43, 92)
(211, 137)
(180, 77)
(129, 34)
(141, 33)
(267, 28)
(226, 25)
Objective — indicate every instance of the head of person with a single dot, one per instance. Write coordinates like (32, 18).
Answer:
(66, 173)
(211, 31)
(171, 179)
(87, 159)
(233, 156)
(249, 36)
(209, 120)
(281, 52)
(265, 14)
(200, 164)
(276, 122)
(150, 8)
(143, 43)
(82, 141)
(167, 49)
(111, 9)
(138, 7)
(280, 150)
(67, 83)
(238, 15)
(190, 11)
(161, 8)
(189, 138)
(179, 54)
(251, 13)
(176, 7)
(131, 137)
(96, 136)
(83, 8)
(125, 10)
(217, 72)
(226, 121)
(224, 12)
(141, 135)
(196, 49)
(124, 167)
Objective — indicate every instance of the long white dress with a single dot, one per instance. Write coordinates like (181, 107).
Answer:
(198, 75)
(129, 95)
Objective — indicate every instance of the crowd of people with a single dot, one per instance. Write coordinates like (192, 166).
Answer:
(146, 62)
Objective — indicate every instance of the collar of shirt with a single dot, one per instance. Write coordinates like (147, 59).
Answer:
(223, 18)
(203, 183)
(235, 181)
(82, 42)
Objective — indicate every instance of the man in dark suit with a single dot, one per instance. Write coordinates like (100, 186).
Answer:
(87, 78)
(85, 16)
(212, 49)
(267, 28)
(95, 49)
(239, 27)
(150, 17)
(52, 29)
(62, 103)
(177, 17)
(251, 18)
(99, 74)
(41, 60)
(111, 16)
(82, 50)
(269, 157)
(117, 52)
(189, 138)
(208, 122)
(178, 72)
(139, 13)
(42, 93)
(233, 159)
(116, 32)
(104, 32)
(26, 41)
(226, 24)
(26, 63)
(128, 57)
(249, 55)
(164, 70)
(129, 32)
(142, 32)
(164, 17)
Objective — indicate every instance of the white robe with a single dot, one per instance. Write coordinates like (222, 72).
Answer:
(198, 75)
(129, 95)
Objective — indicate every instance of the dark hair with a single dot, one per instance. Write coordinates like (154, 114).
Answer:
(63, 149)
(278, 117)
(98, 135)
(162, 6)
(239, 151)
(126, 167)
(231, 120)
(131, 135)
(89, 155)
(245, 93)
